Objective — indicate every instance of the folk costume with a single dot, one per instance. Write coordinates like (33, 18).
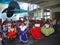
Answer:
(36, 31)
(12, 32)
(47, 30)
(23, 33)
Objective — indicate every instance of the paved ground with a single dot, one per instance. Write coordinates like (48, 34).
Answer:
(51, 40)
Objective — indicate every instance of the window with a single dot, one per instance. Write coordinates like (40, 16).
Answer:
(46, 14)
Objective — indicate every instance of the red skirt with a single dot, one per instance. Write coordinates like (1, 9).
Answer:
(36, 33)
(12, 35)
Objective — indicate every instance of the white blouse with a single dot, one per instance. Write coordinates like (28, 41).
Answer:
(23, 28)
(37, 25)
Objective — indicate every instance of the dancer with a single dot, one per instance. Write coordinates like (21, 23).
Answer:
(36, 31)
(23, 32)
(47, 30)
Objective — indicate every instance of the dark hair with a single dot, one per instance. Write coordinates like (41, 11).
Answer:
(47, 23)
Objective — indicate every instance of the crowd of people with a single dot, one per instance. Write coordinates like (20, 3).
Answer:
(22, 28)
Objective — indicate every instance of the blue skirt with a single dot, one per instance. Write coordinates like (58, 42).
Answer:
(23, 38)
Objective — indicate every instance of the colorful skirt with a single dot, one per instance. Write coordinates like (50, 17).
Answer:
(36, 33)
(23, 38)
(12, 35)
(47, 31)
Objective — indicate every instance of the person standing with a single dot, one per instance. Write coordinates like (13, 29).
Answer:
(23, 32)
(36, 30)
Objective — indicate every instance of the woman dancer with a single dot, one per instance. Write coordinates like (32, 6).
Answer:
(23, 32)
(36, 33)
(47, 30)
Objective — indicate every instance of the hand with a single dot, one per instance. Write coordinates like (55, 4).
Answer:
(0, 38)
